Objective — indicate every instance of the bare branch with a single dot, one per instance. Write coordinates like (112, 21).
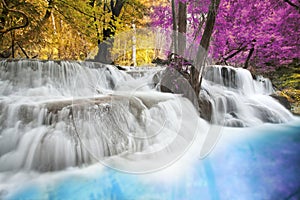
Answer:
(24, 52)
(25, 23)
(293, 5)
(235, 53)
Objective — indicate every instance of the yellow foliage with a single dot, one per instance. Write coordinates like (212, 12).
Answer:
(73, 29)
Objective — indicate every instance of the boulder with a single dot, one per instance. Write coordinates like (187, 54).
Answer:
(282, 100)
(174, 82)
(205, 108)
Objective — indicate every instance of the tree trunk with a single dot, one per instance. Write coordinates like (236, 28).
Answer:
(104, 52)
(197, 71)
(210, 23)
(134, 45)
(104, 55)
(13, 44)
(248, 58)
(175, 44)
(182, 22)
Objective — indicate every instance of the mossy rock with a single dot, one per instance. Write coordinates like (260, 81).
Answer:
(286, 79)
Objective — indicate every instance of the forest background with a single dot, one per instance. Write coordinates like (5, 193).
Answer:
(262, 36)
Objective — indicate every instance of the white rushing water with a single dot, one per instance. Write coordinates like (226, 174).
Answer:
(239, 100)
(56, 115)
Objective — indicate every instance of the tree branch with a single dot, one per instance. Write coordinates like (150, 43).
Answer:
(35, 30)
(234, 53)
(24, 52)
(25, 23)
(248, 58)
(77, 9)
(293, 5)
(48, 12)
(117, 7)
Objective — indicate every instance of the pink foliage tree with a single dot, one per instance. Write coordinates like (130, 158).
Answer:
(262, 34)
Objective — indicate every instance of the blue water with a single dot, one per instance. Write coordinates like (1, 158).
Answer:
(249, 163)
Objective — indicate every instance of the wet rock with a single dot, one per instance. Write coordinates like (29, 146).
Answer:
(120, 68)
(174, 82)
(282, 100)
(234, 115)
(205, 108)
(160, 61)
(234, 123)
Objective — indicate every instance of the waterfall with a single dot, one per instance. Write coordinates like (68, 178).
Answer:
(239, 100)
(56, 79)
(61, 114)
(58, 114)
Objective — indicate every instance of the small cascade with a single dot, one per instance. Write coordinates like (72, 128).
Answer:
(239, 100)
(57, 78)
(239, 79)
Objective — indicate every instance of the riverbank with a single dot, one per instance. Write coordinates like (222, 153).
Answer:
(287, 81)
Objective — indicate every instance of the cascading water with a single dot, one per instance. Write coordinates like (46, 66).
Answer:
(239, 100)
(60, 114)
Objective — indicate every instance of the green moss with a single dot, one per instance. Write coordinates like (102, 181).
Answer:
(287, 80)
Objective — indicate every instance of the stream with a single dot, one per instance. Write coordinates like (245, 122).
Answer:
(84, 130)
